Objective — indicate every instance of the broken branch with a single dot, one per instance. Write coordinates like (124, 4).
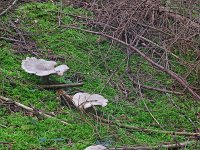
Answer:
(8, 8)
(31, 109)
(145, 129)
(60, 85)
(168, 146)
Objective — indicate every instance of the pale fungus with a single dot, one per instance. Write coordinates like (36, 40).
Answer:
(96, 147)
(85, 100)
(42, 68)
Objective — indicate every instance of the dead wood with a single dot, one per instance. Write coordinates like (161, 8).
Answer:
(131, 127)
(167, 146)
(153, 88)
(152, 62)
(7, 144)
(180, 18)
(31, 109)
(8, 8)
(60, 85)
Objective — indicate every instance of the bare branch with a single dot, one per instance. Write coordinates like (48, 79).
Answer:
(31, 109)
(153, 63)
(145, 129)
(60, 85)
(168, 146)
(8, 8)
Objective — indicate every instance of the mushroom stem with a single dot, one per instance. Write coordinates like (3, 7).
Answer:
(45, 79)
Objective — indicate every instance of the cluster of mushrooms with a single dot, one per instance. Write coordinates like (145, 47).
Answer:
(43, 68)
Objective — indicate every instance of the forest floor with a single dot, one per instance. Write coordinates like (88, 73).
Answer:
(125, 122)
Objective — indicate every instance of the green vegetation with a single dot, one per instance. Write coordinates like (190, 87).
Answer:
(93, 62)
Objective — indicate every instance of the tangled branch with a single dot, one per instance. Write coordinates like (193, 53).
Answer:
(156, 65)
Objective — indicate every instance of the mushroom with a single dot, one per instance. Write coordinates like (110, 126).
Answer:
(42, 68)
(85, 100)
(96, 147)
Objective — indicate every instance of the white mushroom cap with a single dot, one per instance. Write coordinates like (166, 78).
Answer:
(96, 147)
(41, 67)
(61, 69)
(85, 100)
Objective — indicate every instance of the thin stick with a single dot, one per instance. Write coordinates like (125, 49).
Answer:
(7, 143)
(18, 31)
(11, 39)
(59, 13)
(178, 17)
(145, 129)
(3, 126)
(155, 89)
(31, 109)
(60, 85)
(153, 63)
(160, 90)
(181, 111)
(158, 131)
(141, 95)
(168, 146)
(9, 7)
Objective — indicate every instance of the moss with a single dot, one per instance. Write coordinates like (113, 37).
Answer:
(94, 63)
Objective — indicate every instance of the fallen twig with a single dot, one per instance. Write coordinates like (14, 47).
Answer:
(155, 89)
(18, 31)
(182, 112)
(159, 89)
(144, 129)
(65, 98)
(158, 131)
(31, 109)
(9, 144)
(11, 39)
(153, 63)
(60, 85)
(59, 13)
(3, 126)
(168, 146)
(179, 17)
(142, 98)
(9, 7)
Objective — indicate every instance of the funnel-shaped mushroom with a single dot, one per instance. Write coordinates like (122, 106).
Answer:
(85, 100)
(96, 147)
(41, 67)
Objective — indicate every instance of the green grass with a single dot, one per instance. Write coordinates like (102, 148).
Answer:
(93, 61)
